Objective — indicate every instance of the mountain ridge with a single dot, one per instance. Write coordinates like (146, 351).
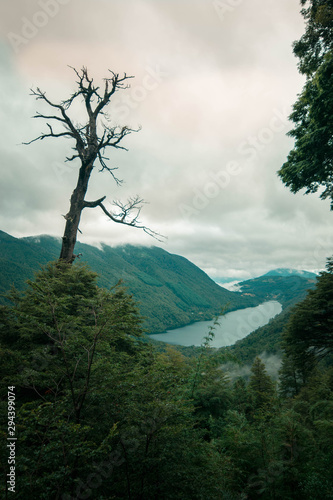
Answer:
(279, 271)
(283, 271)
(170, 290)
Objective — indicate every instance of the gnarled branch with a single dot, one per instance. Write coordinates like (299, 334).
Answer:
(127, 214)
(93, 204)
(108, 169)
(91, 139)
(88, 144)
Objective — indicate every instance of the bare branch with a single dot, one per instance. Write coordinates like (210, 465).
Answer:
(125, 216)
(90, 143)
(116, 84)
(111, 137)
(85, 88)
(93, 204)
(49, 117)
(71, 158)
(43, 136)
(108, 169)
(66, 119)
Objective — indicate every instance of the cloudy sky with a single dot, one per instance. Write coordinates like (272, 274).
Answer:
(214, 84)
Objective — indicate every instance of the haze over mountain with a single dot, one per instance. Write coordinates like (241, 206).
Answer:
(170, 290)
(205, 84)
(285, 289)
(281, 271)
(291, 272)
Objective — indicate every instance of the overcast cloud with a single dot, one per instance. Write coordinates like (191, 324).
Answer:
(214, 85)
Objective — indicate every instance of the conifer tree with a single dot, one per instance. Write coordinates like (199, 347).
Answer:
(261, 385)
(308, 336)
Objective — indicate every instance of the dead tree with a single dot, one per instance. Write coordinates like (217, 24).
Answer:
(91, 141)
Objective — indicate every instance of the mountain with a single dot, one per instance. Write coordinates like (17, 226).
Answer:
(232, 282)
(285, 289)
(170, 290)
(223, 281)
(288, 290)
(20, 258)
(291, 272)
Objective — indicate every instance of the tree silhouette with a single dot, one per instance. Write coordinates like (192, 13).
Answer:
(308, 336)
(309, 164)
(91, 140)
(261, 385)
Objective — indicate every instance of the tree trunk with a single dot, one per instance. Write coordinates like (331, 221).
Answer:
(74, 214)
(90, 145)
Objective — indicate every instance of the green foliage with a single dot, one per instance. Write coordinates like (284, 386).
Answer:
(277, 450)
(186, 295)
(285, 289)
(288, 290)
(102, 414)
(265, 339)
(309, 164)
(308, 335)
(170, 291)
(317, 39)
(291, 379)
(261, 386)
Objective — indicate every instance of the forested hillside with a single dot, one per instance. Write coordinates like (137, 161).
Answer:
(90, 407)
(100, 414)
(170, 290)
(288, 289)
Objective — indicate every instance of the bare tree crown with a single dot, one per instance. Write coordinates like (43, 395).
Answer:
(91, 140)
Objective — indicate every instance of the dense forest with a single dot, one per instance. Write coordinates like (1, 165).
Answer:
(170, 290)
(91, 409)
(100, 413)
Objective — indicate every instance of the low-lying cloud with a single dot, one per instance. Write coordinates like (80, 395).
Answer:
(212, 96)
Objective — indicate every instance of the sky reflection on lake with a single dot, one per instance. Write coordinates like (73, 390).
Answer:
(233, 326)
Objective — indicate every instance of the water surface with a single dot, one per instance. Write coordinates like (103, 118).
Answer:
(233, 326)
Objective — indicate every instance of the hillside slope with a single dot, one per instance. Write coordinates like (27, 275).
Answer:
(285, 289)
(170, 290)
(288, 290)
(291, 272)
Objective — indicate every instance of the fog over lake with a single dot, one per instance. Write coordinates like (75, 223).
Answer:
(233, 326)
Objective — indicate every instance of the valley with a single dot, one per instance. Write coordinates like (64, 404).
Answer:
(231, 327)
(173, 295)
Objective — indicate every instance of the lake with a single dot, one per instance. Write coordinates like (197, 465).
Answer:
(233, 326)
